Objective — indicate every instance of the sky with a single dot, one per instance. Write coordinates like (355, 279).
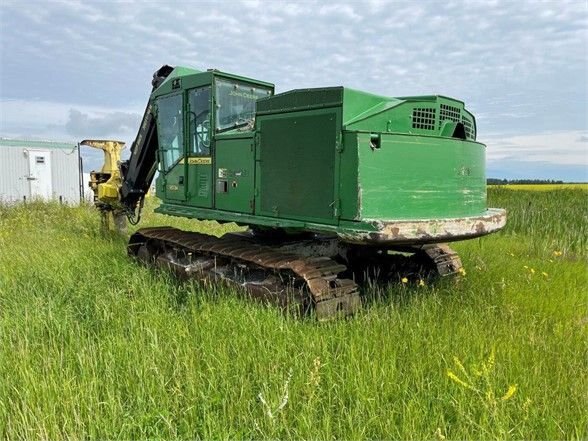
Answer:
(72, 70)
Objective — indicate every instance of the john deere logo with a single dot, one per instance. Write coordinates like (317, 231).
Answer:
(464, 171)
(207, 160)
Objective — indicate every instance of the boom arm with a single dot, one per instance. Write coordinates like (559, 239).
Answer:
(139, 169)
(122, 186)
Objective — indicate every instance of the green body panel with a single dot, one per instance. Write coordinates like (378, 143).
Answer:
(359, 106)
(235, 174)
(301, 99)
(200, 184)
(175, 187)
(420, 177)
(196, 189)
(348, 183)
(174, 209)
(296, 164)
(327, 159)
(428, 115)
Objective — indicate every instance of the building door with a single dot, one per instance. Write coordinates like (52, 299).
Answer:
(40, 174)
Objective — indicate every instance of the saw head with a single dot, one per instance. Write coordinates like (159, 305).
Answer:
(107, 182)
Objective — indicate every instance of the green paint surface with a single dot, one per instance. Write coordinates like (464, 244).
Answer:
(418, 177)
(328, 159)
(200, 185)
(235, 168)
(296, 167)
(175, 184)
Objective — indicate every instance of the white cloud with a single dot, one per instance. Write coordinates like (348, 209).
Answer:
(563, 148)
(519, 66)
(63, 121)
(334, 9)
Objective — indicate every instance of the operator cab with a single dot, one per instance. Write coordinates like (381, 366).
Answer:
(191, 109)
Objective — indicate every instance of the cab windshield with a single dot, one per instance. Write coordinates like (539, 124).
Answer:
(235, 103)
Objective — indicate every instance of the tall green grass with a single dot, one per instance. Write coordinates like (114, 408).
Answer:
(552, 219)
(94, 346)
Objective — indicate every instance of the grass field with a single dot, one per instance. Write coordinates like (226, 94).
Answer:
(94, 346)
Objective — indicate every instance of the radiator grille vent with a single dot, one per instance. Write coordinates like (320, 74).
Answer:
(469, 128)
(203, 187)
(423, 118)
(449, 113)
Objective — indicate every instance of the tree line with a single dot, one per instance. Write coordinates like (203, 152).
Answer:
(495, 181)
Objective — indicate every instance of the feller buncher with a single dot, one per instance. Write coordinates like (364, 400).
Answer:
(335, 186)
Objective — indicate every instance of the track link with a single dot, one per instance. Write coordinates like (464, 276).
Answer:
(272, 275)
(445, 260)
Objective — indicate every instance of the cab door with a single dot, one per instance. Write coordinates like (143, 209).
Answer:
(170, 131)
(199, 153)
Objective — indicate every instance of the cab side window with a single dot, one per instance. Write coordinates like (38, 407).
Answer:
(199, 121)
(170, 128)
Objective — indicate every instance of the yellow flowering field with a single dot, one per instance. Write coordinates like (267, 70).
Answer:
(543, 187)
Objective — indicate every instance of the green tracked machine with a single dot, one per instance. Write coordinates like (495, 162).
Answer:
(336, 186)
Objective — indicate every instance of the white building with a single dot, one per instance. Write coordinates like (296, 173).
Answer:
(40, 170)
(88, 194)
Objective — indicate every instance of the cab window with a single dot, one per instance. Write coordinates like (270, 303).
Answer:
(170, 129)
(235, 103)
(199, 121)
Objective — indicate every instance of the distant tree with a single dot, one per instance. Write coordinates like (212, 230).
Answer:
(496, 181)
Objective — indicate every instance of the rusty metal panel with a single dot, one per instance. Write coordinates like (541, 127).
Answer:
(428, 230)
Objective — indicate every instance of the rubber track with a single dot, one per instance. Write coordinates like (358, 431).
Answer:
(445, 259)
(331, 295)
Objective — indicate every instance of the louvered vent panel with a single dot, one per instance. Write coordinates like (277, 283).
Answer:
(423, 118)
(449, 113)
(469, 128)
